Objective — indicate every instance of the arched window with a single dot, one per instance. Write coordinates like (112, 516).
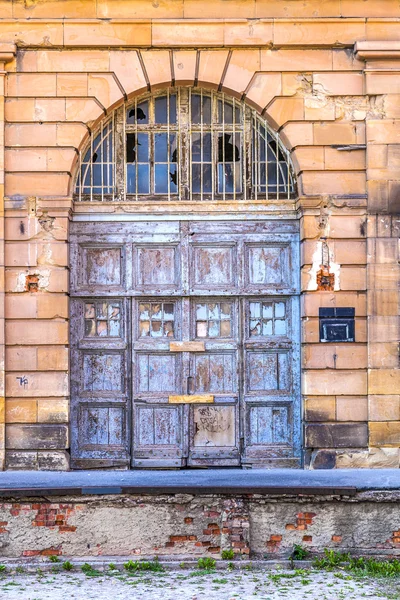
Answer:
(185, 144)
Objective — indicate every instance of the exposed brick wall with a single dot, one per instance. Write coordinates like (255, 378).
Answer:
(196, 526)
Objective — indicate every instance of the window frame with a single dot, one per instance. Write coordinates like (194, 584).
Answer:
(251, 123)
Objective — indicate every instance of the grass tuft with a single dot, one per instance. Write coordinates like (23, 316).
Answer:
(134, 566)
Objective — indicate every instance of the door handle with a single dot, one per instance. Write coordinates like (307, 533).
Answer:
(189, 385)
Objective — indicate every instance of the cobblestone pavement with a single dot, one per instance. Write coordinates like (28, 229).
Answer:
(195, 585)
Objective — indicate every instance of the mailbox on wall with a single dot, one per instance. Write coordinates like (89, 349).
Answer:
(336, 324)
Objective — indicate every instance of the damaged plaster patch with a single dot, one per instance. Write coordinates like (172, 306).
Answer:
(346, 108)
(41, 276)
(45, 257)
(318, 261)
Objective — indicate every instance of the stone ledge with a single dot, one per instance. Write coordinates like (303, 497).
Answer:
(217, 481)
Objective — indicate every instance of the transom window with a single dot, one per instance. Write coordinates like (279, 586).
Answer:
(185, 144)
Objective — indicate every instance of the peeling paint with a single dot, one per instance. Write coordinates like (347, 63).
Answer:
(317, 264)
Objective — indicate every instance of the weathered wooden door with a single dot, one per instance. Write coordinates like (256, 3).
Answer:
(185, 345)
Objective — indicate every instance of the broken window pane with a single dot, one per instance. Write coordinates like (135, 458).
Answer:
(102, 319)
(156, 319)
(214, 320)
(267, 318)
(139, 115)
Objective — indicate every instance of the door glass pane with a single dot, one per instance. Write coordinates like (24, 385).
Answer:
(267, 318)
(214, 320)
(156, 319)
(103, 319)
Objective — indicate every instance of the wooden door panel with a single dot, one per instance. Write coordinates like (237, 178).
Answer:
(214, 426)
(157, 267)
(158, 436)
(101, 266)
(214, 373)
(158, 426)
(102, 426)
(268, 267)
(269, 425)
(157, 373)
(267, 372)
(213, 267)
(103, 373)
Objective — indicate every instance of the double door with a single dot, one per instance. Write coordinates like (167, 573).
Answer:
(184, 344)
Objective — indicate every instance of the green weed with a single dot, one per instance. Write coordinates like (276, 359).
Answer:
(67, 566)
(112, 567)
(228, 554)
(3, 568)
(89, 571)
(133, 566)
(300, 553)
(331, 560)
(358, 566)
(19, 570)
(206, 563)
(220, 580)
(54, 559)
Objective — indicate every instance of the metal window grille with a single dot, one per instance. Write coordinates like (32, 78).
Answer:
(185, 143)
(96, 171)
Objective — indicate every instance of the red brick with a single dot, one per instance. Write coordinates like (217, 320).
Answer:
(276, 538)
(336, 538)
(178, 538)
(69, 528)
(188, 520)
(51, 552)
(307, 538)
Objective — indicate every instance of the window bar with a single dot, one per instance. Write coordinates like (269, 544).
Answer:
(178, 144)
(277, 165)
(256, 159)
(136, 154)
(80, 176)
(234, 148)
(168, 151)
(201, 145)
(190, 139)
(101, 153)
(266, 159)
(223, 146)
(214, 163)
(245, 139)
(108, 162)
(91, 166)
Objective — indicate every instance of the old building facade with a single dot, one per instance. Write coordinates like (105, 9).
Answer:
(200, 233)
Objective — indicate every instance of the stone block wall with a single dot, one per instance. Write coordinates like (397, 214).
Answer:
(325, 75)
